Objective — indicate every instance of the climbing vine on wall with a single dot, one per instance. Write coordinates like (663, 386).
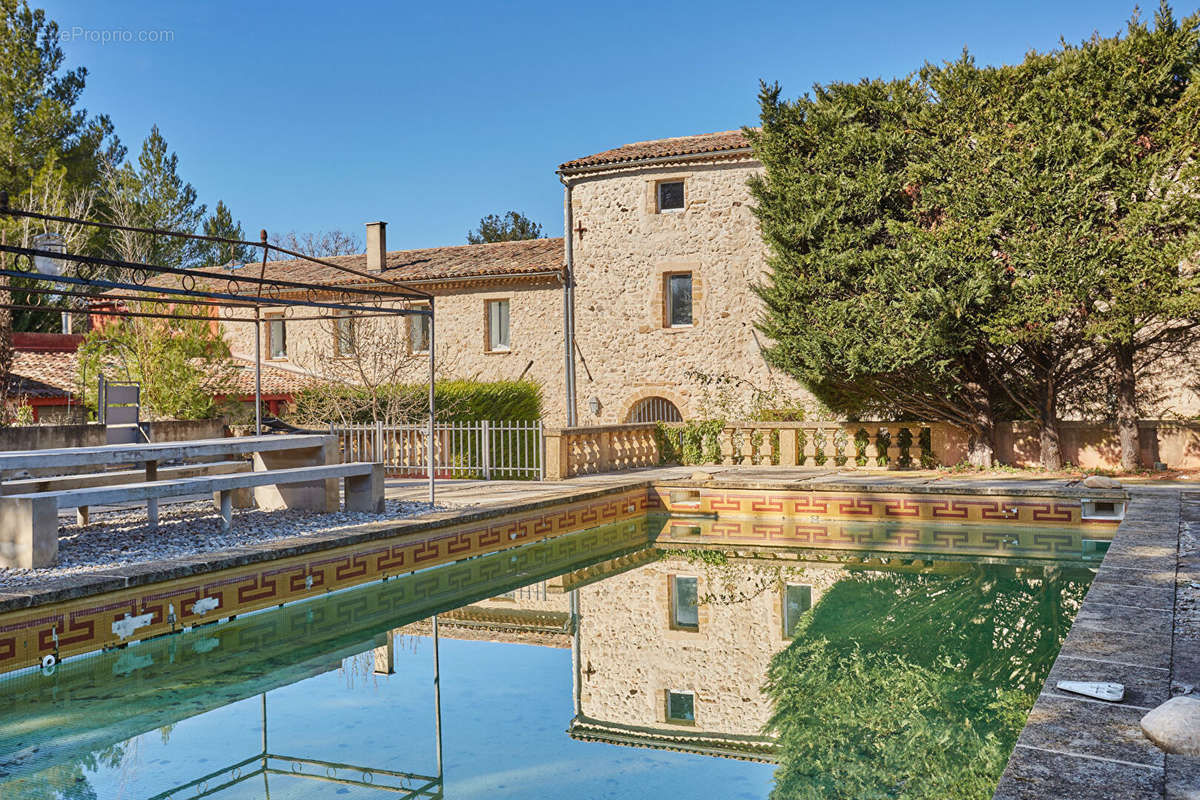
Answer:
(690, 442)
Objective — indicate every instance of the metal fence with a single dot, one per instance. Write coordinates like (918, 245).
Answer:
(487, 450)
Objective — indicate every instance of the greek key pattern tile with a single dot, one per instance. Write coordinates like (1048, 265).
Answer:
(906, 537)
(141, 612)
(800, 505)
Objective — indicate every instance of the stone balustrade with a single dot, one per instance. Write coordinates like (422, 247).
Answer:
(600, 448)
(845, 445)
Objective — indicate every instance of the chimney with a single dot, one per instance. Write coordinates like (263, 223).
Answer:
(376, 246)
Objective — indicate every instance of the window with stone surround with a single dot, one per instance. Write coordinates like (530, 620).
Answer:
(669, 196)
(418, 334)
(685, 602)
(677, 299)
(681, 707)
(797, 598)
(498, 339)
(276, 337)
(343, 335)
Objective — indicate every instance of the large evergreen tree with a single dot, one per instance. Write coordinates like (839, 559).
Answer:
(38, 97)
(221, 223)
(975, 242)
(49, 148)
(865, 303)
(153, 195)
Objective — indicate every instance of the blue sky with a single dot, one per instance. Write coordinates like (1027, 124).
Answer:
(314, 115)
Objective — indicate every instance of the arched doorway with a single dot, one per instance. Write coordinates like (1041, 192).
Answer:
(654, 409)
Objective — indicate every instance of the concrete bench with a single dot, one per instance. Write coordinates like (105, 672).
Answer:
(29, 522)
(242, 498)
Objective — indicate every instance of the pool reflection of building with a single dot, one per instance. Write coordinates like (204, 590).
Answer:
(673, 645)
(673, 654)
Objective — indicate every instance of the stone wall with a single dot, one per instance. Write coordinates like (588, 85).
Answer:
(626, 249)
(535, 331)
(47, 437)
(1093, 445)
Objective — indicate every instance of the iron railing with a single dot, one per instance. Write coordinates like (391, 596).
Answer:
(486, 450)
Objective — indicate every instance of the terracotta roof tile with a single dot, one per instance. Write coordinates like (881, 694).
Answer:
(664, 148)
(42, 374)
(275, 380)
(497, 259)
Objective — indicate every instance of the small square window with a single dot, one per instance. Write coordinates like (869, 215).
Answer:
(343, 335)
(681, 707)
(797, 598)
(670, 196)
(679, 300)
(418, 334)
(276, 337)
(497, 324)
(685, 604)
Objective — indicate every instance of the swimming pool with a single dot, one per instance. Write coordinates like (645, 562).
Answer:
(632, 660)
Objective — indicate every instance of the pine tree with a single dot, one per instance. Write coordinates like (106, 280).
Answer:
(38, 114)
(510, 227)
(153, 195)
(221, 223)
(41, 130)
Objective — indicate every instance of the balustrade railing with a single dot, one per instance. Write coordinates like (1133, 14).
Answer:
(601, 448)
(845, 445)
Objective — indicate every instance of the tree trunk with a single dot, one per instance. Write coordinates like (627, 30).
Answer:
(1127, 417)
(1051, 445)
(981, 436)
(6, 346)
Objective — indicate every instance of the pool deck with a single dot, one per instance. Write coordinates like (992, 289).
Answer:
(1139, 623)
(1137, 626)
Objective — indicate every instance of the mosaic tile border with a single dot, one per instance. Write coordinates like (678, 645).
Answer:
(141, 612)
(889, 535)
(815, 505)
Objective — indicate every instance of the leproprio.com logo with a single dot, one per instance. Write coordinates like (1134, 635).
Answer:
(78, 33)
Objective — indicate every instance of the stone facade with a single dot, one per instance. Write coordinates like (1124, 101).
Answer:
(536, 350)
(624, 248)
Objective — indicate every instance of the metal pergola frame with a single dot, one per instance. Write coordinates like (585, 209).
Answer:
(408, 785)
(363, 299)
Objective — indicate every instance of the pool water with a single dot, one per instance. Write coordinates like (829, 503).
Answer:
(610, 663)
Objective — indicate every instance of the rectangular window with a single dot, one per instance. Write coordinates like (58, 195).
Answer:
(418, 334)
(343, 335)
(681, 707)
(679, 300)
(670, 196)
(497, 324)
(276, 336)
(797, 598)
(685, 605)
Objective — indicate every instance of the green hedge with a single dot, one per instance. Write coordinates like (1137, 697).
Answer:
(457, 401)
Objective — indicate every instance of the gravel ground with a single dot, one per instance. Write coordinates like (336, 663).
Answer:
(122, 537)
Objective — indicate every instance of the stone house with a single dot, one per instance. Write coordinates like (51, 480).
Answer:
(674, 654)
(498, 309)
(663, 248)
(650, 292)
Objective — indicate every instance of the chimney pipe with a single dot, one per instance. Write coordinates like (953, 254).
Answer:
(376, 246)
